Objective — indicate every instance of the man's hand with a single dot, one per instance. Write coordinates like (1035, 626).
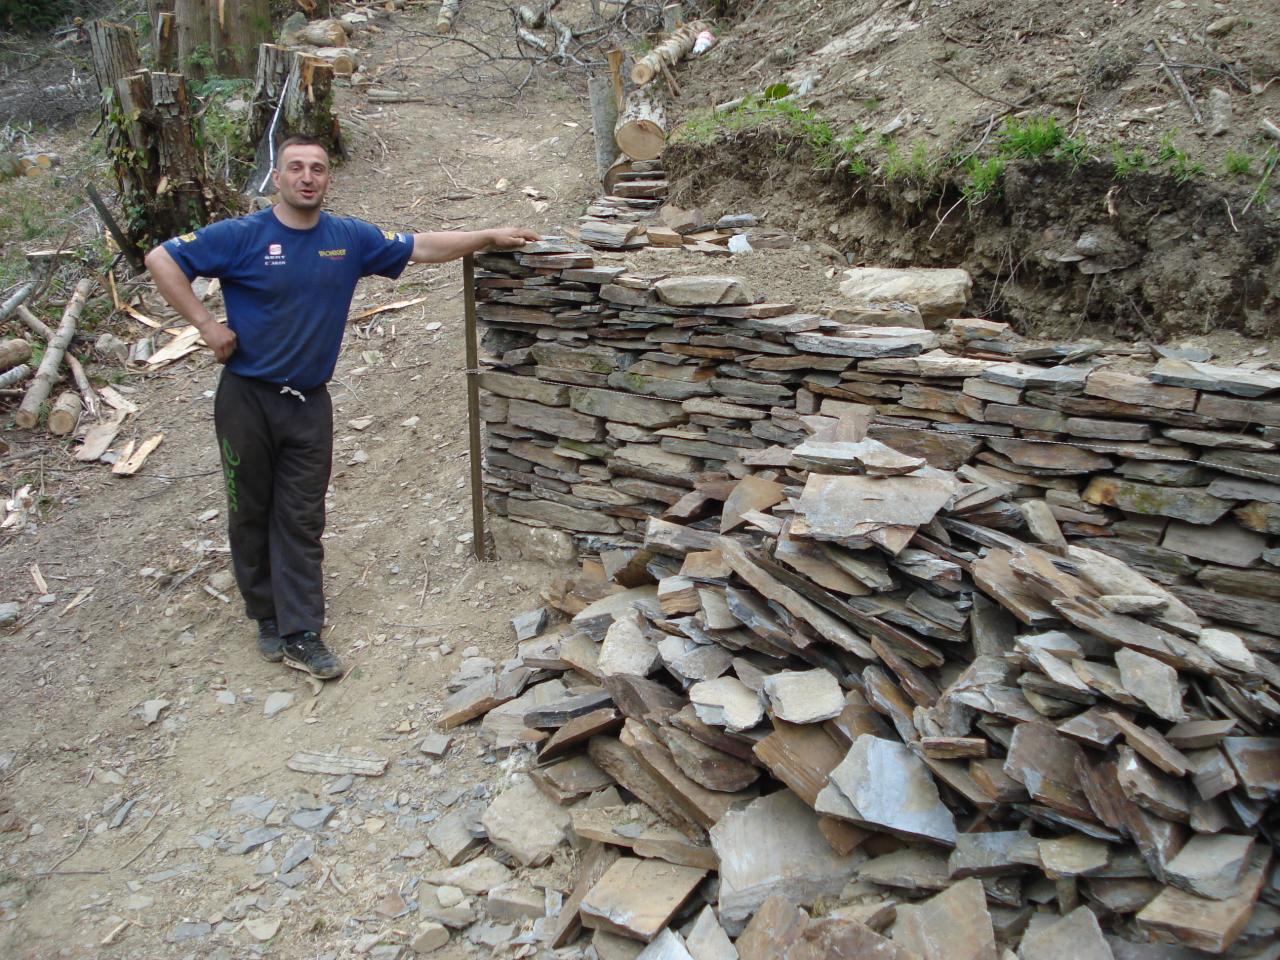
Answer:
(510, 238)
(220, 339)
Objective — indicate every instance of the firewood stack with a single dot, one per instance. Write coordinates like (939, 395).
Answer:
(919, 643)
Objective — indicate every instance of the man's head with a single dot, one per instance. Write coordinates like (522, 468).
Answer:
(301, 173)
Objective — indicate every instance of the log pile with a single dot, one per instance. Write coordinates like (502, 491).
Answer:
(938, 631)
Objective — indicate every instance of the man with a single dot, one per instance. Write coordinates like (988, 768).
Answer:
(288, 274)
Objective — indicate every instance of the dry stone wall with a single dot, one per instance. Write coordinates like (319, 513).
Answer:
(608, 395)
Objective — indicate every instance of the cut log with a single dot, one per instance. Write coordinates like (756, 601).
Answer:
(28, 414)
(14, 352)
(621, 165)
(15, 376)
(319, 33)
(65, 413)
(448, 11)
(604, 117)
(641, 131)
(669, 52)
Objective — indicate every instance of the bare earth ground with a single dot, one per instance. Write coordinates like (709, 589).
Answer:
(406, 601)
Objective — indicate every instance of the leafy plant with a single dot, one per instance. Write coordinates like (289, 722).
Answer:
(1030, 138)
(1237, 163)
(1126, 162)
(984, 179)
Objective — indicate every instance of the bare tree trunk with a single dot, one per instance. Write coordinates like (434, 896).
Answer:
(236, 30)
(195, 46)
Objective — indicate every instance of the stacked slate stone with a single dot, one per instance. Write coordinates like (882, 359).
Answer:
(859, 635)
(609, 392)
(617, 220)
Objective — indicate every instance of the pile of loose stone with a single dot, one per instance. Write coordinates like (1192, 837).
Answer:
(855, 652)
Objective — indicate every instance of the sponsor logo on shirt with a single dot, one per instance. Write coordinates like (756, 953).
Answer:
(275, 255)
(392, 235)
(186, 238)
(333, 254)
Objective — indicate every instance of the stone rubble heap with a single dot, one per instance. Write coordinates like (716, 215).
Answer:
(862, 667)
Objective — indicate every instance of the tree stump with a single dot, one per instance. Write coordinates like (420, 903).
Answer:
(113, 48)
(164, 35)
(274, 66)
(308, 104)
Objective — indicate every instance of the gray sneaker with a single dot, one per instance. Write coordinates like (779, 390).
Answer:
(305, 651)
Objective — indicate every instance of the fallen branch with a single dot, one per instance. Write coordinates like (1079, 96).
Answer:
(1177, 82)
(16, 375)
(87, 394)
(28, 414)
(16, 300)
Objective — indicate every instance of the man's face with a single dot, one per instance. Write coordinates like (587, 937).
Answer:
(302, 177)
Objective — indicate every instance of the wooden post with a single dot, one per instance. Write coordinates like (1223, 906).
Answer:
(604, 114)
(479, 547)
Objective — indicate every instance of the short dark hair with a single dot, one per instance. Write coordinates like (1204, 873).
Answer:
(300, 140)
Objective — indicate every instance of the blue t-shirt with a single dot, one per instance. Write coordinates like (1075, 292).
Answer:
(288, 291)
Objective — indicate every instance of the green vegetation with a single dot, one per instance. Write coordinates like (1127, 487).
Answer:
(1029, 139)
(1035, 139)
(984, 179)
(1124, 162)
(31, 15)
(1180, 166)
(1237, 164)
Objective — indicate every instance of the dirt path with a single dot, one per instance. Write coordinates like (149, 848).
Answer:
(116, 820)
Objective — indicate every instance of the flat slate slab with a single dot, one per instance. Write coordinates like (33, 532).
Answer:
(888, 787)
(638, 898)
(773, 847)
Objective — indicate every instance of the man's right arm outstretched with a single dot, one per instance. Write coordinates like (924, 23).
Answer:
(174, 286)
